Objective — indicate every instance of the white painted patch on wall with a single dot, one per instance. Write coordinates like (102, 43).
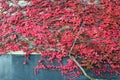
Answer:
(22, 3)
(20, 53)
(94, 2)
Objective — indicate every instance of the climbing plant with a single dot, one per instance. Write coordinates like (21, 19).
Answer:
(86, 32)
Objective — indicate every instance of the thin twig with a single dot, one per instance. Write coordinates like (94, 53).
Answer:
(76, 38)
(73, 58)
(89, 77)
(81, 68)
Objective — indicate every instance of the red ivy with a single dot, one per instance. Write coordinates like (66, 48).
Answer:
(50, 27)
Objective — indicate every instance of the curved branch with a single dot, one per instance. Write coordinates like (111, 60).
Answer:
(84, 72)
(73, 58)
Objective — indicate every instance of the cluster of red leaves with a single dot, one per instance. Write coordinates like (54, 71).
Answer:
(50, 27)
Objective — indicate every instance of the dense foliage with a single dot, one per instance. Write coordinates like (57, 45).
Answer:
(50, 27)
